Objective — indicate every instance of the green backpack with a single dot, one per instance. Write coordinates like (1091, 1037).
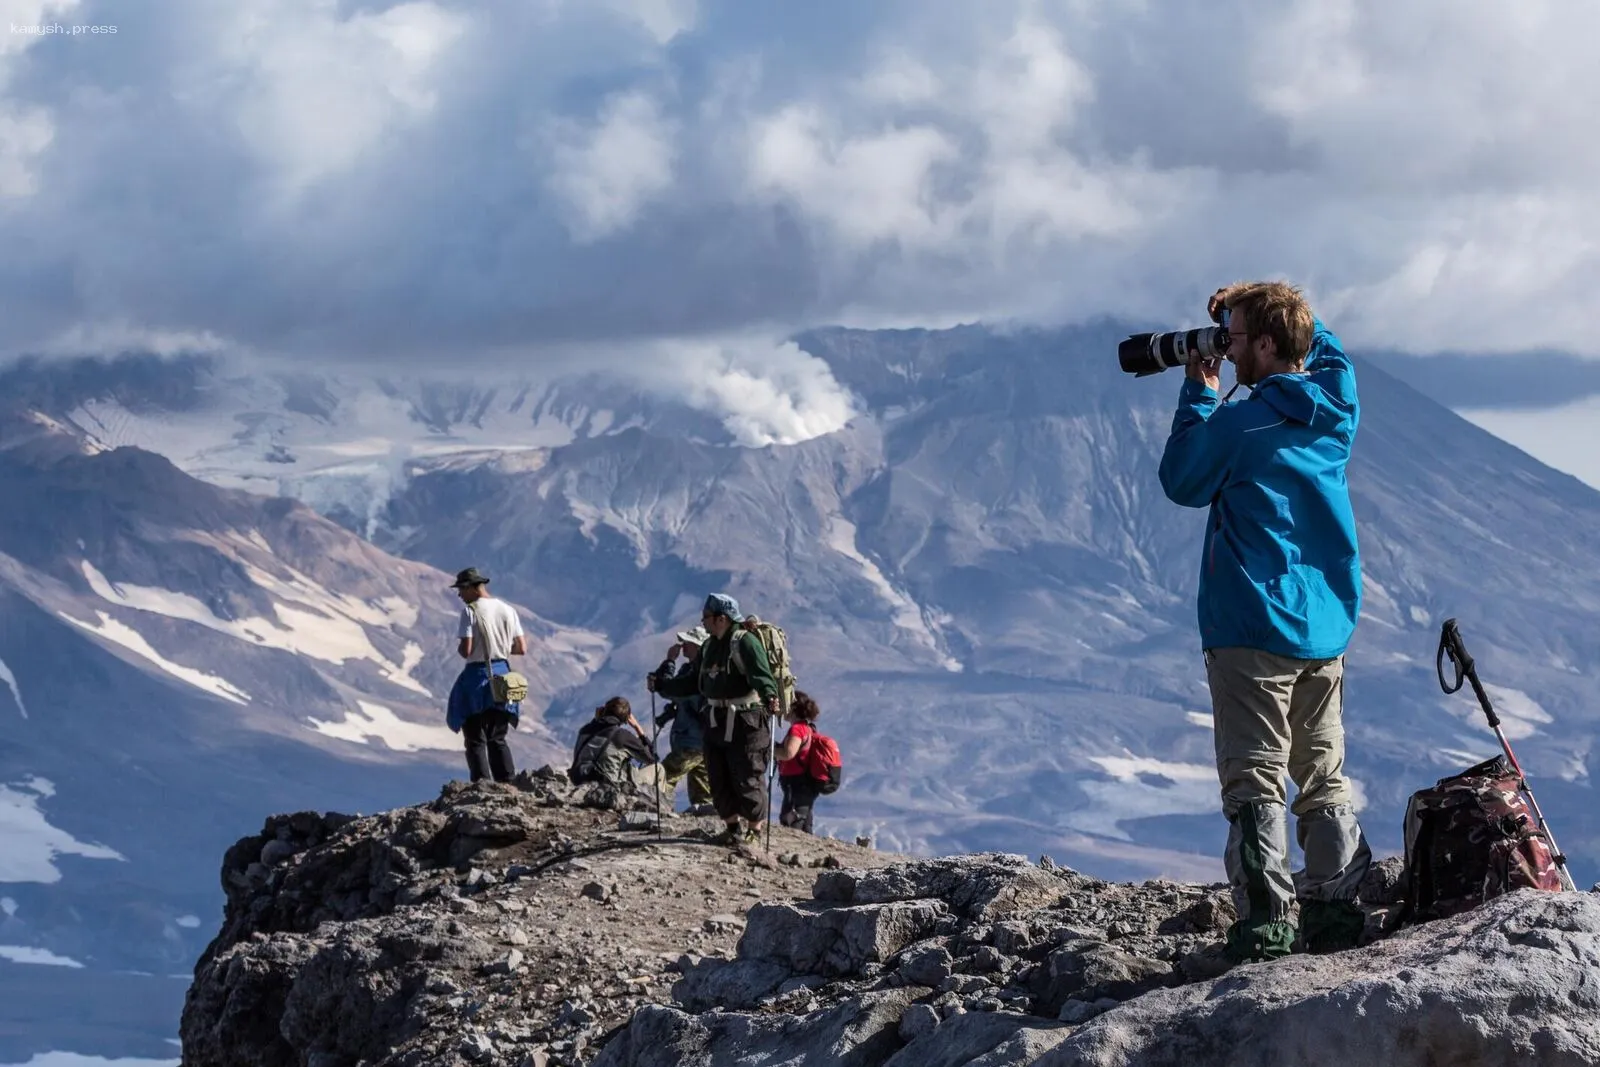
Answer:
(776, 643)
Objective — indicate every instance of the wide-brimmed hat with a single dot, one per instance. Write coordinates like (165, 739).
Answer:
(470, 576)
(695, 636)
(723, 604)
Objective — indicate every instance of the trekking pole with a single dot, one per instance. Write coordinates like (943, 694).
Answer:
(772, 772)
(655, 733)
(1450, 644)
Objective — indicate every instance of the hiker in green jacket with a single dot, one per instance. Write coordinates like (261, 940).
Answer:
(739, 692)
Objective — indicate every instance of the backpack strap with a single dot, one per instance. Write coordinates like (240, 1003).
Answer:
(478, 626)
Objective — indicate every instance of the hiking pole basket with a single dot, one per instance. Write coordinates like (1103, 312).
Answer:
(1451, 645)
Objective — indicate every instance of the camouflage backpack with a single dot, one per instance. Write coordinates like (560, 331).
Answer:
(776, 643)
(1469, 838)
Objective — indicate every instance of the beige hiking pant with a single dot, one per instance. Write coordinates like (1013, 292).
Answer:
(1274, 715)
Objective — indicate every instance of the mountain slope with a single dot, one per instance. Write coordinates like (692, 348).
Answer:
(981, 579)
(986, 588)
(172, 655)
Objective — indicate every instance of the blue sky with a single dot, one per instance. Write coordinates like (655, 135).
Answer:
(524, 180)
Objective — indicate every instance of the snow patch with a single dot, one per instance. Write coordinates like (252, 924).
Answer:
(73, 1059)
(29, 844)
(377, 721)
(1200, 718)
(907, 616)
(589, 517)
(42, 956)
(1140, 788)
(309, 620)
(11, 681)
(1520, 715)
(1459, 758)
(121, 634)
(8, 906)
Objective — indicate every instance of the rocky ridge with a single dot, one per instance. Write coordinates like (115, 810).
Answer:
(535, 924)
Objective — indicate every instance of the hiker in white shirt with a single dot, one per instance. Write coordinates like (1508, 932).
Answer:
(487, 625)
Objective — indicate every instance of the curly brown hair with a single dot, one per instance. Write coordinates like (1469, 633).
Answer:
(805, 707)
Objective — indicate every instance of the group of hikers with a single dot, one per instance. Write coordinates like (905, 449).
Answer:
(1279, 597)
(723, 689)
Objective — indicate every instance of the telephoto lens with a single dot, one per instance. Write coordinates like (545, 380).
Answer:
(1152, 353)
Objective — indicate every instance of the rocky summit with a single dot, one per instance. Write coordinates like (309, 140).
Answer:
(534, 924)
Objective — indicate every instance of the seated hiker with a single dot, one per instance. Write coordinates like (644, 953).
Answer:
(608, 745)
(489, 633)
(686, 759)
(800, 787)
(738, 688)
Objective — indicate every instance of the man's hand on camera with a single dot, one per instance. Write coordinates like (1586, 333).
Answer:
(1207, 372)
(1219, 298)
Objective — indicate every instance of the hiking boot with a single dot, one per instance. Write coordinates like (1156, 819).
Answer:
(1330, 925)
(752, 837)
(730, 836)
(1245, 944)
(1254, 942)
(701, 810)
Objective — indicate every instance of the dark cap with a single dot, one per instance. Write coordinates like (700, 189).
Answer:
(470, 576)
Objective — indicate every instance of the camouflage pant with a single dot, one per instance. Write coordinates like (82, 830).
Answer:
(691, 764)
(1274, 716)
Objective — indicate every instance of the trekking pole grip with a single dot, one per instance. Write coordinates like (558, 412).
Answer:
(1451, 644)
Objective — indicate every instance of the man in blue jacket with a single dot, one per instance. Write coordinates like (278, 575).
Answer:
(1280, 592)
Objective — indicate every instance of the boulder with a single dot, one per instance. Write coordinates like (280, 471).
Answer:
(860, 1032)
(981, 887)
(1509, 983)
(813, 939)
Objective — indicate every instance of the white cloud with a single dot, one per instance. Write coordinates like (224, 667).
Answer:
(316, 89)
(608, 172)
(414, 182)
(664, 20)
(25, 132)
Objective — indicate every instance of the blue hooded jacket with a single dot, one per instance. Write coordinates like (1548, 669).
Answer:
(1280, 570)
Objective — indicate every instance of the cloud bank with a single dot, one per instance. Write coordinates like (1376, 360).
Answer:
(430, 181)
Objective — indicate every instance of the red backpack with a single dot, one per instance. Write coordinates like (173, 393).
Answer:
(822, 761)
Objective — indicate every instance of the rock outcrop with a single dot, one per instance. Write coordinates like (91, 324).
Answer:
(501, 924)
(533, 924)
